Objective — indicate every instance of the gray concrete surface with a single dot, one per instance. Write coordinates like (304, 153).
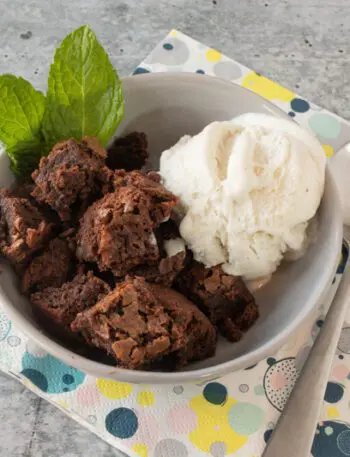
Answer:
(303, 44)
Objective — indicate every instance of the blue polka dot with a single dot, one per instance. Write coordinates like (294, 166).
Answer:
(37, 378)
(140, 71)
(168, 46)
(201, 72)
(267, 435)
(291, 114)
(271, 361)
(299, 105)
(335, 444)
(68, 378)
(343, 442)
(341, 356)
(215, 393)
(334, 392)
(319, 323)
(59, 376)
(122, 423)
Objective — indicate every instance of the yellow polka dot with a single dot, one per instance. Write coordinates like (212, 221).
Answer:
(145, 398)
(328, 150)
(140, 449)
(173, 33)
(63, 404)
(332, 412)
(213, 425)
(213, 55)
(266, 88)
(112, 389)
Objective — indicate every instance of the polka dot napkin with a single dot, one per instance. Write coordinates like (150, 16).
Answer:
(234, 415)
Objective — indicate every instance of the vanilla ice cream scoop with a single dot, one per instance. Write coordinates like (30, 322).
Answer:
(247, 188)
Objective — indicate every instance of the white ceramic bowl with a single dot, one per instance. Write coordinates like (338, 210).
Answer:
(167, 106)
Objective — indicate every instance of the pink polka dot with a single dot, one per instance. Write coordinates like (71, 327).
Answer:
(278, 381)
(181, 419)
(340, 372)
(88, 396)
(148, 430)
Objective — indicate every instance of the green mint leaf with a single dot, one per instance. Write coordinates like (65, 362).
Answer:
(21, 113)
(84, 92)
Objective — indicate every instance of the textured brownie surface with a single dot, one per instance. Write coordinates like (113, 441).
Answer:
(51, 268)
(23, 229)
(164, 272)
(141, 324)
(225, 299)
(117, 232)
(62, 304)
(72, 175)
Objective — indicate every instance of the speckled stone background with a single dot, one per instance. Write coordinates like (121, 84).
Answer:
(302, 44)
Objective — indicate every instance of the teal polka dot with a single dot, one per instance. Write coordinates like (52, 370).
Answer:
(140, 71)
(271, 361)
(37, 378)
(50, 374)
(122, 423)
(168, 46)
(259, 390)
(245, 418)
(299, 105)
(325, 125)
(215, 393)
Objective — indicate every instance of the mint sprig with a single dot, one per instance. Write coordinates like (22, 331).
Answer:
(84, 95)
(21, 115)
(84, 98)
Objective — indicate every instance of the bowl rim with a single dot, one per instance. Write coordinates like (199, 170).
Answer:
(212, 372)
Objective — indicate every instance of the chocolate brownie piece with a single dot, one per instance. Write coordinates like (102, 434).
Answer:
(23, 189)
(117, 232)
(173, 259)
(141, 324)
(71, 176)
(225, 299)
(23, 229)
(51, 268)
(62, 304)
(165, 272)
(160, 201)
(128, 152)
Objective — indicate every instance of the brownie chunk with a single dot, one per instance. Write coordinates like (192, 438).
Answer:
(173, 258)
(62, 304)
(23, 229)
(128, 152)
(141, 324)
(52, 268)
(23, 190)
(117, 232)
(72, 176)
(165, 272)
(225, 299)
